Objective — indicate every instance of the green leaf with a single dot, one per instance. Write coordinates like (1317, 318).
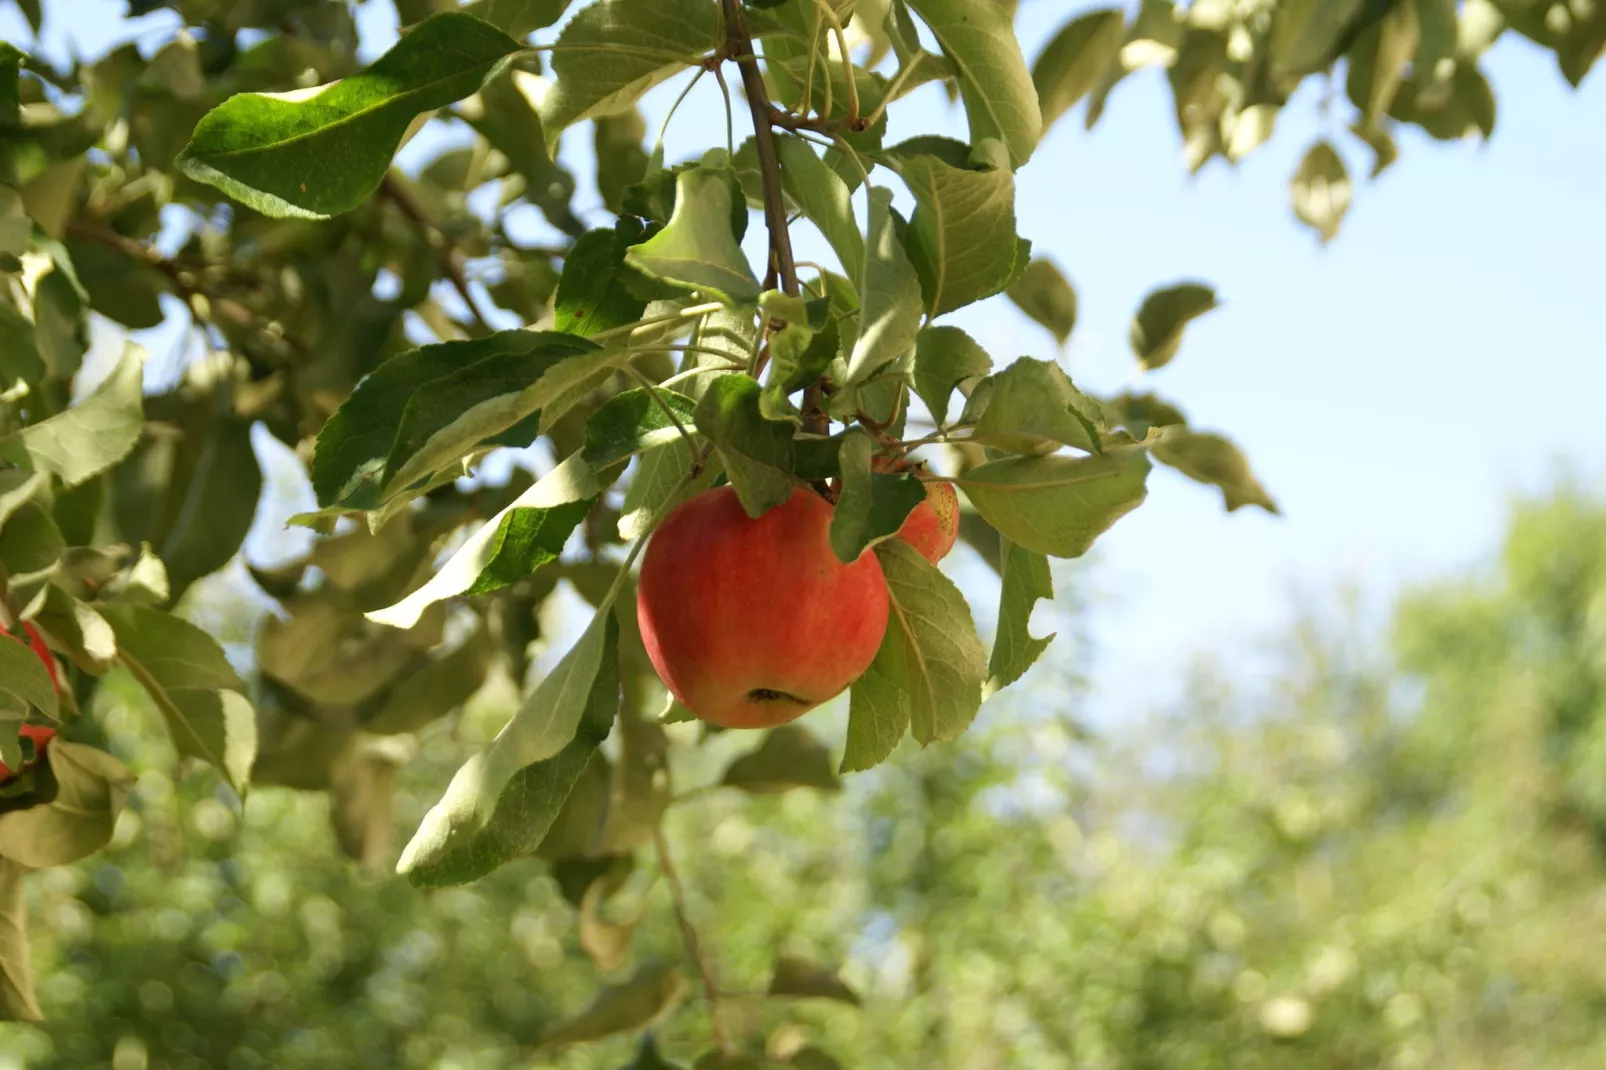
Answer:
(1044, 294)
(518, 18)
(501, 802)
(17, 1000)
(613, 51)
(659, 485)
(1032, 407)
(1025, 579)
(200, 695)
(312, 154)
(621, 158)
(825, 199)
(789, 757)
(443, 684)
(77, 631)
(978, 37)
(647, 1056)
(889, 295)
(928, 674)
(218, 507)
(1213, 459)
(636, 420)
(1437, 26)
(592, 296)
(1305, 33)
(756, 452)
(18, 488)
(572, 481)
(30, 547)
(525, 540)
(1384, 151)
(91, 787)
(1075, 60)
(653, 989)
(1157, 328)
(1321, 190)
(1058, 505)
(19, 353)
(447, 419)
(429, 403)
(873, 505)
(945, 357)
(94, 434)
(697, 250)
(24, 682)
(961, 237)
(803, 978)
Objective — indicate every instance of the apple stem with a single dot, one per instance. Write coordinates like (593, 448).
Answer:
(694, 946)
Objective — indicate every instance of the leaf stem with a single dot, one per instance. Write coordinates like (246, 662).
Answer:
(694, 947)
(449, 255)
(684, 314)
(663, 403)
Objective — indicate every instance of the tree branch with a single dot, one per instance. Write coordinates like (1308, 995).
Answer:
(450, 260)
(694, 947)
(739, 44)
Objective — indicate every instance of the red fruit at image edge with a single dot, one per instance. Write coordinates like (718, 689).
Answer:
(752, 623)
(40, 734)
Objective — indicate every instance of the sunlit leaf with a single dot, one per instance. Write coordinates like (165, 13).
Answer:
(94, 434)
(1032, 407)
(1075, 60)
(945, 357)
(316, 153)
(696, 251)
(1213, 459)
(889, 295)
(978, 38)
(91, 787)
(1058, 505)
(1321, 190)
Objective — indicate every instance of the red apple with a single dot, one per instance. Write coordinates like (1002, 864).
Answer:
(41, 736)
(752, 623)
(933, 525)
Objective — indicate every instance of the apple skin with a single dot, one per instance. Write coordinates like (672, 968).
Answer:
(752, 623)
(932, 526)
(40, 734)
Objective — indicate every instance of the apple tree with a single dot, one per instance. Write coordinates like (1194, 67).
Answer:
(482, 418)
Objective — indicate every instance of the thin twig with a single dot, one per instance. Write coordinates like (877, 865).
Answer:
(450, 255)
(694, 946)
(739, 43)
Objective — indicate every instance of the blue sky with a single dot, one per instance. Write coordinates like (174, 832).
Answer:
(1393, 390)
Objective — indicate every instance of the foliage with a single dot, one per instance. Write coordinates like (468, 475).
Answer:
(241, 176)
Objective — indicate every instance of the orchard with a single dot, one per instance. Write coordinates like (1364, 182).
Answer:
(727, 408)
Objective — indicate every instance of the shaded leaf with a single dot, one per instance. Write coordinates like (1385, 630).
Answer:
(889, 295)
(873, 505)
(1075, 60)
(697, 250)
(789, 757)
(803, 978)
(519, 18)
(1321, 190)
(978, 38)
(825, 199)
(94, 434)
(17, 1000)
(91, 787)
(756, 452)
(927, 676)
(200, 695)
(1044, 294)
(25, 683)
(440, 686)
(592, 296)
(500, 804)
(362, 798)
(525, 540)
(1157, 329)
(1213, 459)
(660, 484)
(1032, 407)
(613, 51)
(218, 508)
(961, 238)
(1025, 579)
(316, 153)
(653, 989)
(944, 358)
(1058, 505)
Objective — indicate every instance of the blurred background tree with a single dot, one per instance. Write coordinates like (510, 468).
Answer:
(1389, 858)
